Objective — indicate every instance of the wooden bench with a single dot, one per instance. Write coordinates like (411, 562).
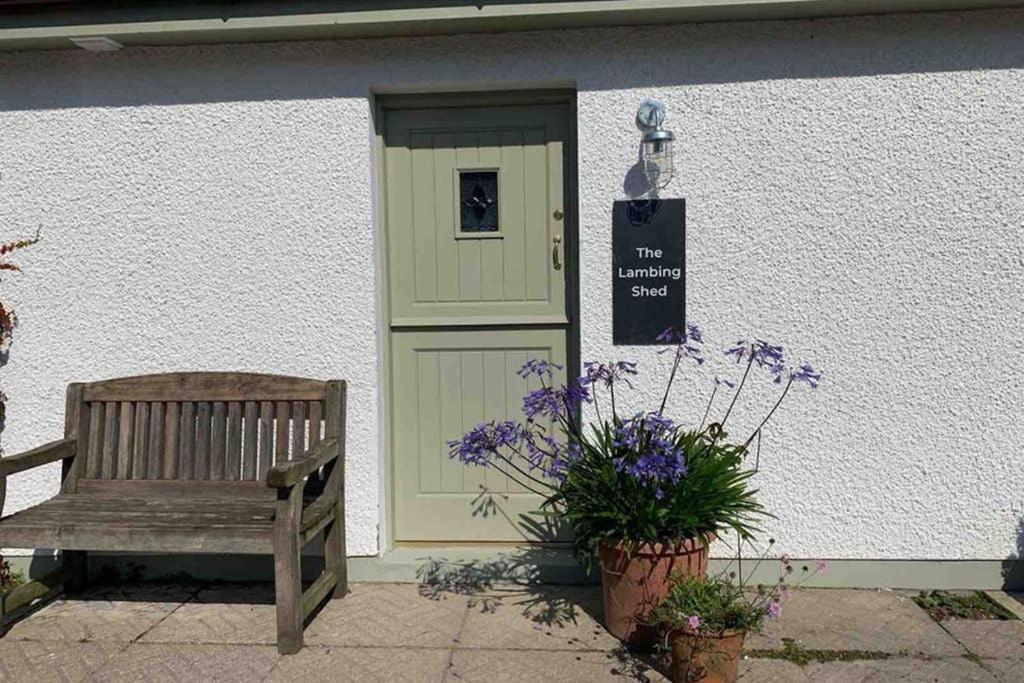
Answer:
(198, 463)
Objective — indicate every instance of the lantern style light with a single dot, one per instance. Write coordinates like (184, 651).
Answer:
(656, 143)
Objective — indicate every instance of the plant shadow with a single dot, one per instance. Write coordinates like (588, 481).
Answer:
(556, 597)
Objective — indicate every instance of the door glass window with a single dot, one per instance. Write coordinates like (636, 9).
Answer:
(478, 201)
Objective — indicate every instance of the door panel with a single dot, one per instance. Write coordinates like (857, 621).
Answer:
(441, 275)
(474, 200)
(446, 383)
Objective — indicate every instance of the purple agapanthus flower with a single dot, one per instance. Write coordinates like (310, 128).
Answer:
(574, 395)
(484, 440)
(655, 423)
(806, 374)
(648, 452)
(555, 402)
(546, 454)
(608, 373)
(543, 402)
(687, 341)
(767, 356)
(626, 437)
(540, 368)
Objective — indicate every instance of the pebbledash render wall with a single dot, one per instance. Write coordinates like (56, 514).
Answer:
(853, 191)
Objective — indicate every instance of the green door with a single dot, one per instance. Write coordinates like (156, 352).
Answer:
(477, 286)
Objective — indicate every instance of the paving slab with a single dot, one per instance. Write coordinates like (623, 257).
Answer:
(361, 664)
(401, 632)
(989, 638)
(1000, 644)
(221, 614)
(530, 666)
(173, 663)
(42, 661)
(841, 619)
(388, 615)
(771, 671)
(102, 614)
(544, 618)
(955, 669)
(1014, 602)
(1004, 669)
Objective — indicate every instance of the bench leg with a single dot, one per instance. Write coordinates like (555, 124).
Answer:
(288, 571)
(334, 551)
(76, 564)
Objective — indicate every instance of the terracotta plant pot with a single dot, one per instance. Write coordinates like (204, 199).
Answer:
(634, 584)
(706, 657)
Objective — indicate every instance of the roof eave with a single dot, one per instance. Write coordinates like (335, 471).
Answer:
(524, 16)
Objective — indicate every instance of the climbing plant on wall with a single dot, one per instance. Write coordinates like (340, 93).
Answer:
(8, 321)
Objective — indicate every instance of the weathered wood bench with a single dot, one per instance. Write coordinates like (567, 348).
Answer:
(198, 463)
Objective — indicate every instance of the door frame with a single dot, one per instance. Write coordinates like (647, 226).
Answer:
(380, 104)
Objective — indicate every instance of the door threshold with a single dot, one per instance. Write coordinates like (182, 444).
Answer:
(469, 565)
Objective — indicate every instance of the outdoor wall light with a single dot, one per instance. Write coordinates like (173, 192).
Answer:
(656, 143)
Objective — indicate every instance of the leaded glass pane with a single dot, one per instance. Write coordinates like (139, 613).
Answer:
(478, 199)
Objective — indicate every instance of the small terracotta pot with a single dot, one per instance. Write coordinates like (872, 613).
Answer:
(634, 584)
(706, 657)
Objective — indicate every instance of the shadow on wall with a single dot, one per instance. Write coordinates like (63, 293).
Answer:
(1013, 566)
(636, 184)
(644, 57)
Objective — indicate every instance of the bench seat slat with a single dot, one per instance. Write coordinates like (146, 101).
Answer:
(180, 524)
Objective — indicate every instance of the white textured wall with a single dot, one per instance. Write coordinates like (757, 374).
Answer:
(853, 188)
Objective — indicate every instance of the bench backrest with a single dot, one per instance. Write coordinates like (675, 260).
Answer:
(204, 426)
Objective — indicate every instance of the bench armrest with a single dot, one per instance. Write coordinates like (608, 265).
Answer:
(51, 452)
(290, 473)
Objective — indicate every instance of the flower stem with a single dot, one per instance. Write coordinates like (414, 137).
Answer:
(516, 480)
(672, 375)
(770, 413)
(521, 471)
(739, 388)
(708, 409)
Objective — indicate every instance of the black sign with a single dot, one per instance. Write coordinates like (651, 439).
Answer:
(648, 268)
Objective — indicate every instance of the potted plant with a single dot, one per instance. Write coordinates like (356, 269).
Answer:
(704, 620)
(640, 491)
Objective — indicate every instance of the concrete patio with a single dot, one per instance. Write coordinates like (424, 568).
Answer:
(409, 632)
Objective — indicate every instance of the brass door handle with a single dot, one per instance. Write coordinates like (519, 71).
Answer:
(557, 239)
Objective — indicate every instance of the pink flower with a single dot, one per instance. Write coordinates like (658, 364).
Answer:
(785, 593)
(822, 566)
(774, 610)
(694, 622)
